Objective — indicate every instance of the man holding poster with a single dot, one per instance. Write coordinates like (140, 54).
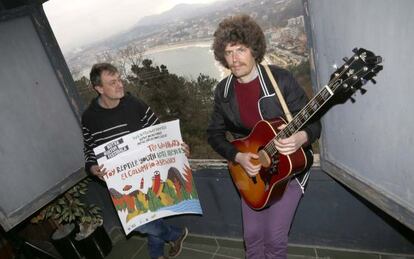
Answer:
(110, 116)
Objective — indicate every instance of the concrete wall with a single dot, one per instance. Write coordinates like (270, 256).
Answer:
(40, 137)
(367, 145)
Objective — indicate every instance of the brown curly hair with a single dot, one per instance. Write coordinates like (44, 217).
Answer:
(239, 29)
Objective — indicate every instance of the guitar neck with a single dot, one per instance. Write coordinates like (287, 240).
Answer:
(363, 66)
(306, 113)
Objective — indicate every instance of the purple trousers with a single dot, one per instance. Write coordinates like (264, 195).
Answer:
(266, 231)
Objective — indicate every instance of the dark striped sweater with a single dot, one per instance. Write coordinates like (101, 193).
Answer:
(100, 125)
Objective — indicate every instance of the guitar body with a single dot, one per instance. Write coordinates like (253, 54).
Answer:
(270, 183)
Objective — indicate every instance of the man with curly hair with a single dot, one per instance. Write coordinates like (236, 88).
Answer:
(242, 99)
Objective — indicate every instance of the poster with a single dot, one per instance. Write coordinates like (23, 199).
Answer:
(148, 175)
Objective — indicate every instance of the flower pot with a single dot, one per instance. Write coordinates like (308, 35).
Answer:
(63, 239)
(97, 245)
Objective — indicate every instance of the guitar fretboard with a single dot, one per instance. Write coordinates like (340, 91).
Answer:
(306, 113)
(302, 117)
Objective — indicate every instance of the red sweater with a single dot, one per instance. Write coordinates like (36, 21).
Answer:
(247, 95)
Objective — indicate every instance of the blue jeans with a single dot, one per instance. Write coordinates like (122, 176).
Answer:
(158, 232)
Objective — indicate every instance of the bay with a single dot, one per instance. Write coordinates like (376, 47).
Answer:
(187, 61)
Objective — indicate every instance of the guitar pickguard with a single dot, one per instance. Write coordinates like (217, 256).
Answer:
(270, 172)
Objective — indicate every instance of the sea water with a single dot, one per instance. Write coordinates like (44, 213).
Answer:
(187, 61)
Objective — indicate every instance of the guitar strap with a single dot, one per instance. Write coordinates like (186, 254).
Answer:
(279, 93)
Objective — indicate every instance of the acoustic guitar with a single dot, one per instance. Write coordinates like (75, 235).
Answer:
(276, 169)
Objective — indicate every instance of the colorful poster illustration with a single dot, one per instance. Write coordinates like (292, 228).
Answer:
(148, 175)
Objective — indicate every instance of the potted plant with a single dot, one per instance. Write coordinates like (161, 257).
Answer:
(79, 227)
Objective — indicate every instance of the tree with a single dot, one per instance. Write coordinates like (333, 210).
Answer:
(172, 97)
(302, 74)
(85, 90)
(123, 59)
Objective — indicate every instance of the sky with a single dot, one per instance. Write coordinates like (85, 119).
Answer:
(79, 22)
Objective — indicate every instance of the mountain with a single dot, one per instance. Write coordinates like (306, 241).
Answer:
(183, 12)
(153, 24)
(177, 13)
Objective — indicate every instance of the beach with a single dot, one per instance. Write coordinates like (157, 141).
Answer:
(204, 44)
(188, 59)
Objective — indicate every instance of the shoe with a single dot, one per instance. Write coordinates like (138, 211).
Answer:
(177, 245)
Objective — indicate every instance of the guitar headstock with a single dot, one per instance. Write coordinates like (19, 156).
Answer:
(355, 72)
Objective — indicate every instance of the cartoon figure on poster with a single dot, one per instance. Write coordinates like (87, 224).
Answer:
(149, 176)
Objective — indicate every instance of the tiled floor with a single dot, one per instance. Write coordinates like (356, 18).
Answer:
(201, 247)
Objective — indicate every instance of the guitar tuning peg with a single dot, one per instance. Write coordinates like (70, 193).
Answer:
(363, 91)
(373, 81)
(355, 50)
(363, 81)
(352, 99)
(345, 59)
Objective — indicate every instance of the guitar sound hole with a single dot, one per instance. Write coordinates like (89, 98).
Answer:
(264, 158)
